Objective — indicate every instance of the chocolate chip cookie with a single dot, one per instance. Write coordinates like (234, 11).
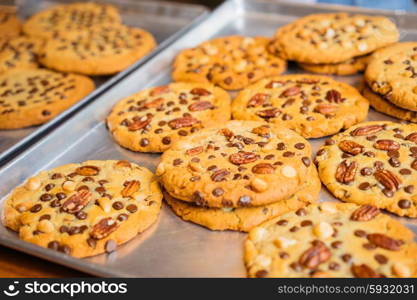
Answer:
(84, 209)
(153, 119)
(392, 73)
(333, 37)
(236, 164)
(34, 96)
(70, 17)
(10, 25)
(245, 218)
(348, 67)
(373, 163)
(231, 62)
(312, 105)
(104, 50)
(331, 240)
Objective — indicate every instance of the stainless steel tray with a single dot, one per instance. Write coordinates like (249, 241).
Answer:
(165, 20)
(172, 247)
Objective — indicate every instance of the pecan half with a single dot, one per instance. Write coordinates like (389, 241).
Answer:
(315, 255)
(131, 188)
(200, 105)
(242, 157)
(227, 133)
(292, 91)
(365, 213)
(384, 241)
(325, 109)
(269, 113)
(200, 92)
(308, 81)
(366, 130)
(195, 150)
(257, 100)
(351, 147)
(154, 103)
(140, 123)
(263, 168)
(123, 164)
(412, 137)
(182, 122)
(103, 228)
(346, 171)
(388, 179)
(87, 170)
(76, 202)
(263, 131)
(386, 145)
(414, 164)
(219, 175)
(364, 271)
(333, 96)
(159, 90)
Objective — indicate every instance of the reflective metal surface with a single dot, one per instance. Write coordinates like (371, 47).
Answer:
(172, 247)
(166, 21)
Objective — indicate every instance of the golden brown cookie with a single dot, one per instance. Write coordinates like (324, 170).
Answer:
(373, 163)
(84, 209)
(153, 119)
(10, 25)
(348, 67)
(231, 62)
(312, 105)
(70, 17)
(331, 240)
(245, 218)
(100, 51)
(392, 73)
(236, 164)
(19, 53)
(333, 37)
(34, 96)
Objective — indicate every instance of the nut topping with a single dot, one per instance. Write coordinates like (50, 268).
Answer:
(388, 179)
(163, 89)
(263, 168)
(140, 123)
(384, 241)
(346, 171)
(103, 228)
(194, 151)
(315, 255)
(367, 130)
(200, 92)
(364, 271)
(219, 175)
(268, 113)
(76, 202)
(87, 170)
(325, 109)
(351, 147)
(333, 96)
(200, 105)
(292, 91)
(131, 188)
(386, 145)
(262, 131)
(258, 100)
(242, 157)
(365, 213)
(182, 122)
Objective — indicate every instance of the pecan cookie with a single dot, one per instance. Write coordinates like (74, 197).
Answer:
(379, 103)
(100, 51)
(33, 96)
(236, 164)
(331, 240)
(333, 38)
(19, 53)
(10, 25)
(312, 105)
(348, 67)
(84, 209)
(231, 62)
(70, 17)
(392, 73)
(245, 218)
(151, 120)
(373, 163)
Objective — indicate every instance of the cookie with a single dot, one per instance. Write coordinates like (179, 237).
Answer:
(333, 38)
(392, 73)
(231, 62)
(373, 163)
(33, 96)
(153, 119)
(379, 103)
(70, 17)
(348, 67)
(312, 105)
(84, 209)
(245, 218)
(331, 240)
(19, 53)
(100, 51)
(10, 25)
(235, 164)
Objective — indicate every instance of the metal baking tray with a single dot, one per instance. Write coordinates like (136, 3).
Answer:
(172, 247)
(165, 20)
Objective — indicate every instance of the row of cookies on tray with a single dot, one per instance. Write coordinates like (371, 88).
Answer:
(78, 39)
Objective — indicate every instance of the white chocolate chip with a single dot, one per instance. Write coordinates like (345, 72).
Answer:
(33, 184)
(325, 23)
(263, 261)
(259, 185)
(45, 226)
(329, 207)
(350, 28)
(360, 22)
(160, 169)
(289, 172)
(400, 270)
(21, 208)
(240, 66)
(227, 209)
(323, 230)
(247, 41)
(210, 50)
(362, 46)
(196, 167)
(330, 33)
(323, 45)
(261, 61)
(105, 204)
(283, 242)
(347, 44)
(257, 234)
(68, 185)
(204, 60)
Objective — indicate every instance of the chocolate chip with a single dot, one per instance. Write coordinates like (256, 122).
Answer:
(122, 217)
(336, 244)
(56, 176)
(405, 171)
(283, 255)
(382, 259)
(217, 192)
(46, 197)
(404, 203)
(366, 171)
(394, 162)
(132, 208)
(81, 215)
(64, 249)
(301, 212)
(244, 200)
(166, 140)
(91, 242)
(288, 154)
(281, 146)
(294, 229)
(144, 142)
(306, 223)
(261, 274)
(177, 162)
(282, 222)
(110, 246)
(296, 266)
(346, 257)
(334, 266)
(36, 208)
(364, 186)
(360, 233)
(409, 189)
(388, 193)
(369, 246)
(53, 245)
(49, 187)
(45, 217)
(306, 161)
(117, 205)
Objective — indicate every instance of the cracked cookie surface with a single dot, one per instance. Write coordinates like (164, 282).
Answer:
(231, 62)
(373, 163)
(236, 164)
(84, 209)
(153, 119)
(312, 105)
